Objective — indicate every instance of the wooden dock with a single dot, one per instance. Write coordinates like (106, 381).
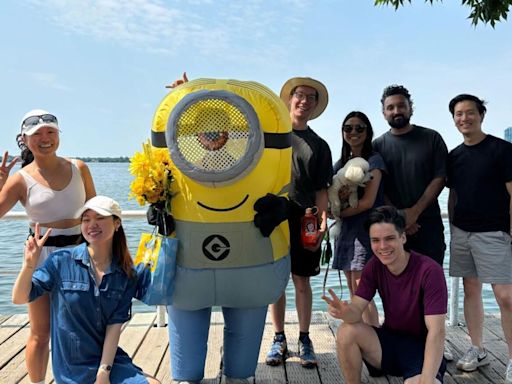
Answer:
(148, 345)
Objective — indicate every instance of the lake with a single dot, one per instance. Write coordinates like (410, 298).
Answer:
(113, 179)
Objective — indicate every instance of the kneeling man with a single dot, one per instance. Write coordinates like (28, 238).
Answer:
(414, 296)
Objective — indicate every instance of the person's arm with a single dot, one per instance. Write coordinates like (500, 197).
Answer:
(348, 312)
(429, 196)
(509, 189)
(452, 199)
(23, 283)
(321, 201)
(12, 188)
(109, 352)
(90, 190)
(178, 82)
(434, 347)
(5, 168)
(369, 196)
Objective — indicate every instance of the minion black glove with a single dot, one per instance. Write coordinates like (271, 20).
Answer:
(271, 210)
(156, 215)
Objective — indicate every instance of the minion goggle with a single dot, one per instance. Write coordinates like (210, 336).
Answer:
(215, 137)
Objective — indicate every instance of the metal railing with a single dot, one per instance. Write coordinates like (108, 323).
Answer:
(453, 313)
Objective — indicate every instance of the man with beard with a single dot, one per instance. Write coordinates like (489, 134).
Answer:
(416, 161)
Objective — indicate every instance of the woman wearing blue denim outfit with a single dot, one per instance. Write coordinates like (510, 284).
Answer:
(91, 288)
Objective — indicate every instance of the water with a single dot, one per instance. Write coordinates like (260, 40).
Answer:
(113, 179)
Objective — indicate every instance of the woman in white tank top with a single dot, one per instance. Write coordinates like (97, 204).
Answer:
(52, 189)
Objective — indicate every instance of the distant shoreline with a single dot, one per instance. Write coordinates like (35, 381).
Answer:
(122, 159)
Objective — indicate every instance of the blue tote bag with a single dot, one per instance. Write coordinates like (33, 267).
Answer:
(155, 263)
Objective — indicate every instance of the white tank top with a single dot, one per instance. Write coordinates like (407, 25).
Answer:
(44, 205)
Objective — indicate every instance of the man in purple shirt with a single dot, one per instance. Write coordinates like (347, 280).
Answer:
(414, 296)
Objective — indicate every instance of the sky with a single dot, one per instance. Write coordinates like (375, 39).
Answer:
(101, 66)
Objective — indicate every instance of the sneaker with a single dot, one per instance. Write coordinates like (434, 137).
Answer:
(278, 352)
(473, 359)
(307, 353)
(508, 373)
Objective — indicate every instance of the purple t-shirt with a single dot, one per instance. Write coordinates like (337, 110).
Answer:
(418, 291)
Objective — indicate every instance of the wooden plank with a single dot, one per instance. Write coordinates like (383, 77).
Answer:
(12, 325)
(294, 371)
(325, 344)
(149, 355)
(135, 331)
(212, 369)
(3, 318)
(266, 374)
(13, 346)
(164, 372)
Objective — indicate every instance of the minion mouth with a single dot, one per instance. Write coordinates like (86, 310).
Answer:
(223, 209)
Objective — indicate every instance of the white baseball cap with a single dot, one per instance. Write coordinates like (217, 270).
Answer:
(35, 119)
(103, 205)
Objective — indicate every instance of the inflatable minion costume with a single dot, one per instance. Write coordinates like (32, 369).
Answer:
(230, 145)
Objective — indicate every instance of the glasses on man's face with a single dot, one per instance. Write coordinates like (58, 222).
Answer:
(349, 128)
(34, 120)
(301, 96)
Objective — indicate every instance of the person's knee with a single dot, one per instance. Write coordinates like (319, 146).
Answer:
(472, 287)
(301, 283)
(40, 337)
(504, 299)
(347, 335)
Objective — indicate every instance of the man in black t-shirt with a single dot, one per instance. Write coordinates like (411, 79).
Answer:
(311, 176)
(415, 158)
(480, 210)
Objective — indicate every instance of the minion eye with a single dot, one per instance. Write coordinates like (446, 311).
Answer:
(214, 136)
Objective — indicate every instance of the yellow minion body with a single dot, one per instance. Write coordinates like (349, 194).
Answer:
(230, 144)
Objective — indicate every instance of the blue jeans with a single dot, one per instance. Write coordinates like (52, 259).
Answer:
(188, 337)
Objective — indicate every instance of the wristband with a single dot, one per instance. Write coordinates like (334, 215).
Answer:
(105, 367)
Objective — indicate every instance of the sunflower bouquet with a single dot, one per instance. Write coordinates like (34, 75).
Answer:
(153, 177)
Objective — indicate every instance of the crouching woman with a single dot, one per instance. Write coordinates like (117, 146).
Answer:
(91, 288)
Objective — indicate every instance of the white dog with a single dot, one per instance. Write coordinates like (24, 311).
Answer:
(354, 174)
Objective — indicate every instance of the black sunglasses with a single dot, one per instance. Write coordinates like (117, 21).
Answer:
(34, 120)
(349, 128)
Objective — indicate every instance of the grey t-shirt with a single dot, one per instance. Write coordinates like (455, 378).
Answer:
(412, 160)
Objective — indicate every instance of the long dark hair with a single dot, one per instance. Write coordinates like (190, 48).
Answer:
(120, 252)
(26, 154)
(367, 150)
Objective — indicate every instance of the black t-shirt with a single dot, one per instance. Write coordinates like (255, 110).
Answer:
(477, 174)
(412, 160)
(311, 167)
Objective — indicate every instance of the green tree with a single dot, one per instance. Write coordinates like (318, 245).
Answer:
(486, 11)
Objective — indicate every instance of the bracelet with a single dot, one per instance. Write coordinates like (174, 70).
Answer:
(105, 367)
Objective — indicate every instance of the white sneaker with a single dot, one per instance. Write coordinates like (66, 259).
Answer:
(508, 373)
(473, 359)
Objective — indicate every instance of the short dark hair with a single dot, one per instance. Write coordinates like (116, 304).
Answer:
(395, 89)
(386, 214)
(480, 104)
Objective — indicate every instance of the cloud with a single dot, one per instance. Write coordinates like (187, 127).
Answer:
(210, 28)
(48, 80)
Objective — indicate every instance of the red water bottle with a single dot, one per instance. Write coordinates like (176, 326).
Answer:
(309, 228)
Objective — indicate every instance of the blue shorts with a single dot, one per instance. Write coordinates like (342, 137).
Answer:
(402, 355)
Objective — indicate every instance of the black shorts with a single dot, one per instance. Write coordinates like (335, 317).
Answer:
(402, 355)
(304, 262)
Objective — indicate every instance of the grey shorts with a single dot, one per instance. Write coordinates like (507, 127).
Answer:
(486, 255)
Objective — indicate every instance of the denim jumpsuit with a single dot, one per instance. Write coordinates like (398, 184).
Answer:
(80, 314)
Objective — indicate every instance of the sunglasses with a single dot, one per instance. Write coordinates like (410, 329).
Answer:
(34, 120)
(349, 128)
